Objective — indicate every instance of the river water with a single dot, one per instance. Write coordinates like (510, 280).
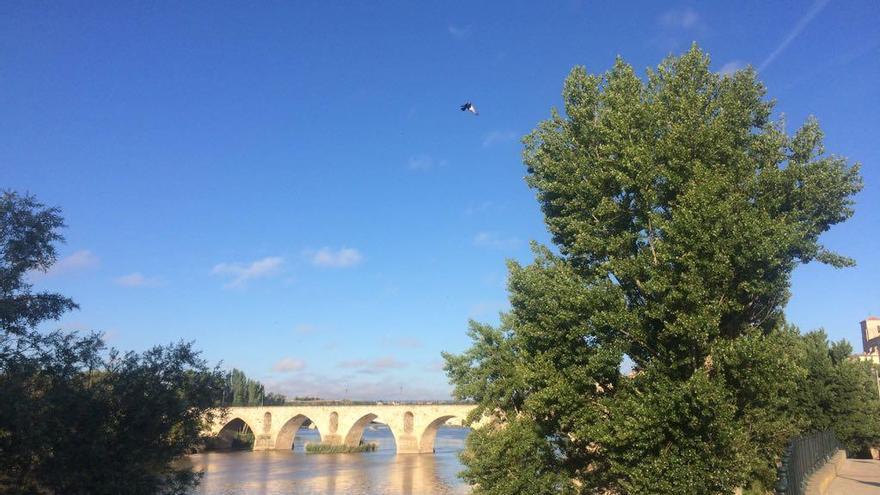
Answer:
(382, 472)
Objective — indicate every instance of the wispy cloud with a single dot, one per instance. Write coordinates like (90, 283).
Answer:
(678, 26)
(335, 258)
(137, 279)
(304, 329)
(79, 260)
(241, 273)
(481, 207)
(459, 32)
(288, 364)
(493, 240)
(731, 67)
(487, 308)
(423, 163)
(374, 366)
(498, 137)
(402, 342)
(435, 366)
(817, 7)
(686, 19)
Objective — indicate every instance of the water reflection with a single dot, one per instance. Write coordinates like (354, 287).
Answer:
(378, 473)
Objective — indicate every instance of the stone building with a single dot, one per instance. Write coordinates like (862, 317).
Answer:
(870, 340)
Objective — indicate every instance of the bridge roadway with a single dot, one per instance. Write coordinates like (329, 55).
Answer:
(414, 426)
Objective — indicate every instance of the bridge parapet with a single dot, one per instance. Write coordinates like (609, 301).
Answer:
(414, 426)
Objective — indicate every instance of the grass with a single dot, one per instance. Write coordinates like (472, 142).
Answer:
(326, 448)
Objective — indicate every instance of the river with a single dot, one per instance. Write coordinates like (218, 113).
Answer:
(382, 472)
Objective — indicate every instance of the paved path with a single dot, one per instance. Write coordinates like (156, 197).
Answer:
(858, 477)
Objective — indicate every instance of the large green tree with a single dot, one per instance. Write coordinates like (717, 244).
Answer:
(76, 418)
(678, 210)
(839, 393)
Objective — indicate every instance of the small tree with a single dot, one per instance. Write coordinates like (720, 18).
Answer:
(678, 211)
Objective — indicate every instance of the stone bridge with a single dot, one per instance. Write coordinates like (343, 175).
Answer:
(414, 426)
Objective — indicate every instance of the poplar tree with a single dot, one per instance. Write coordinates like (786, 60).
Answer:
(678, 209)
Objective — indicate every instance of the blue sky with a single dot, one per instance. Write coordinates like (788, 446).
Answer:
(293, 186)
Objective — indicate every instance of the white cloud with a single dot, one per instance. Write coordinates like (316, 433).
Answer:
(731, 67)
(137, 279)
(242, 273)
(340, 258)
(288, 364)
(817, 7)
(374, 366)
(459, 32)
(492, 240)
(423, 163)
(498, 137)
(686, 19)
(79, 260)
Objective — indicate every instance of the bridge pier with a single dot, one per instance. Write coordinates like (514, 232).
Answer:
(264, 442)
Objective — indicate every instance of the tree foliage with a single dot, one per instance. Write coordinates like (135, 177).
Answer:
(76, 418)
(28, 234)
(239, 390)
(678, 210)
(839, 393)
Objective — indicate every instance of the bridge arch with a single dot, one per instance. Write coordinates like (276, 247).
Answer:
(356, 432)
(387, 434)
(235, 424)
(426, 441)
(231, 428)
(287, 434)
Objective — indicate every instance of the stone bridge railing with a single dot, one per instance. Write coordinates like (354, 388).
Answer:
(414, 426)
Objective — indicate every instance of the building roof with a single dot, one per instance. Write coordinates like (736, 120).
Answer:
(871, 318)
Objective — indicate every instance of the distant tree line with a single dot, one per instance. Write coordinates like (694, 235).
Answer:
(239, 390)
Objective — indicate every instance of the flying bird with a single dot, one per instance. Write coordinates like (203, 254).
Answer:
(469, 107)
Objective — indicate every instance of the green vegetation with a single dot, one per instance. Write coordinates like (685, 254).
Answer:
(75, 417)
(678, 210)
(326, 448)
(243, 441)
(239, 390)
(240, 440)
(838, 393)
